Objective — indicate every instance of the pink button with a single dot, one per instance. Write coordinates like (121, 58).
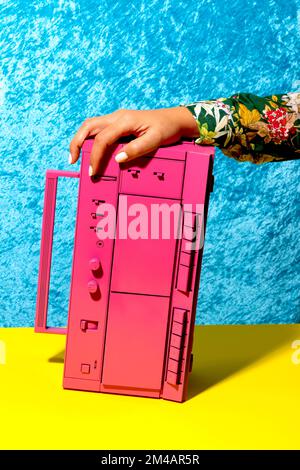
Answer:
(174, 353)
(171, 378)
(85, 368)
(92, 286)
(94, 264)
(179, 315)
(173, 366)
(177, 328)
(176, 341)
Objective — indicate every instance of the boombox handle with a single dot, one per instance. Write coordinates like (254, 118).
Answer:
(46, 251)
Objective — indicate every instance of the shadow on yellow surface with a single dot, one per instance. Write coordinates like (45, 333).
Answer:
(225, 350)
(58, 358)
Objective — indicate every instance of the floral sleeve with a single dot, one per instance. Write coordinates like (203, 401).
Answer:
(251, 128)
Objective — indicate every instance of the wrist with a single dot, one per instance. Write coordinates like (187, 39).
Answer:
(187, 122)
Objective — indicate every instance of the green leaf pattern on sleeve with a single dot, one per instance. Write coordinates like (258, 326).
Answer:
(252, 128)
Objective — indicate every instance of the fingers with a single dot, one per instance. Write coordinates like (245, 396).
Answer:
(109, 129)
(103, 140)
(90, 127)
(140, 146)
(136, 148)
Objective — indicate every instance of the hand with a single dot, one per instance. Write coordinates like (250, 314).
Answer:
(152, 129)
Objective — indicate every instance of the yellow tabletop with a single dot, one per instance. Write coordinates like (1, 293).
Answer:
(244, 394)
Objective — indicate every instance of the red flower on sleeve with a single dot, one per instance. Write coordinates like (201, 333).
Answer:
(277, 123)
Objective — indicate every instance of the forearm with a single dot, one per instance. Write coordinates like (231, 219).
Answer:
(248, 127)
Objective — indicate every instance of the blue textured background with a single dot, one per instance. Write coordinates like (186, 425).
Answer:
(63, 61)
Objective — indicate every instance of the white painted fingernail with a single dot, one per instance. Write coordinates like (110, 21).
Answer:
(90, 170)
(70, 158)
(121, 157)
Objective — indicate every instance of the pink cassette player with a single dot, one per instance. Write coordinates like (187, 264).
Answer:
(138, 248)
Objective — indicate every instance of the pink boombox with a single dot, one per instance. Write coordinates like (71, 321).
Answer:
(138, 248)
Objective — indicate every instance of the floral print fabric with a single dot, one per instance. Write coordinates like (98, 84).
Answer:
(251, 128)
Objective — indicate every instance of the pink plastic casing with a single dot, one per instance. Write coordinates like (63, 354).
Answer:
(132, 301)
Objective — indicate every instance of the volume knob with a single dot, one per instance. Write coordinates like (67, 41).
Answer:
(94, 264)
(92, 286)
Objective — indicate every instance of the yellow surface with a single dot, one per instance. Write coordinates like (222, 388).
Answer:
(244, 394)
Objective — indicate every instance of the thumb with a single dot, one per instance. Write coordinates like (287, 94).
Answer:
(138, 147)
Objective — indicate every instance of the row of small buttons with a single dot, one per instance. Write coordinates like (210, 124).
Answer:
(94, 263)
(176, 346)
(187, 255)
(93, 288)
